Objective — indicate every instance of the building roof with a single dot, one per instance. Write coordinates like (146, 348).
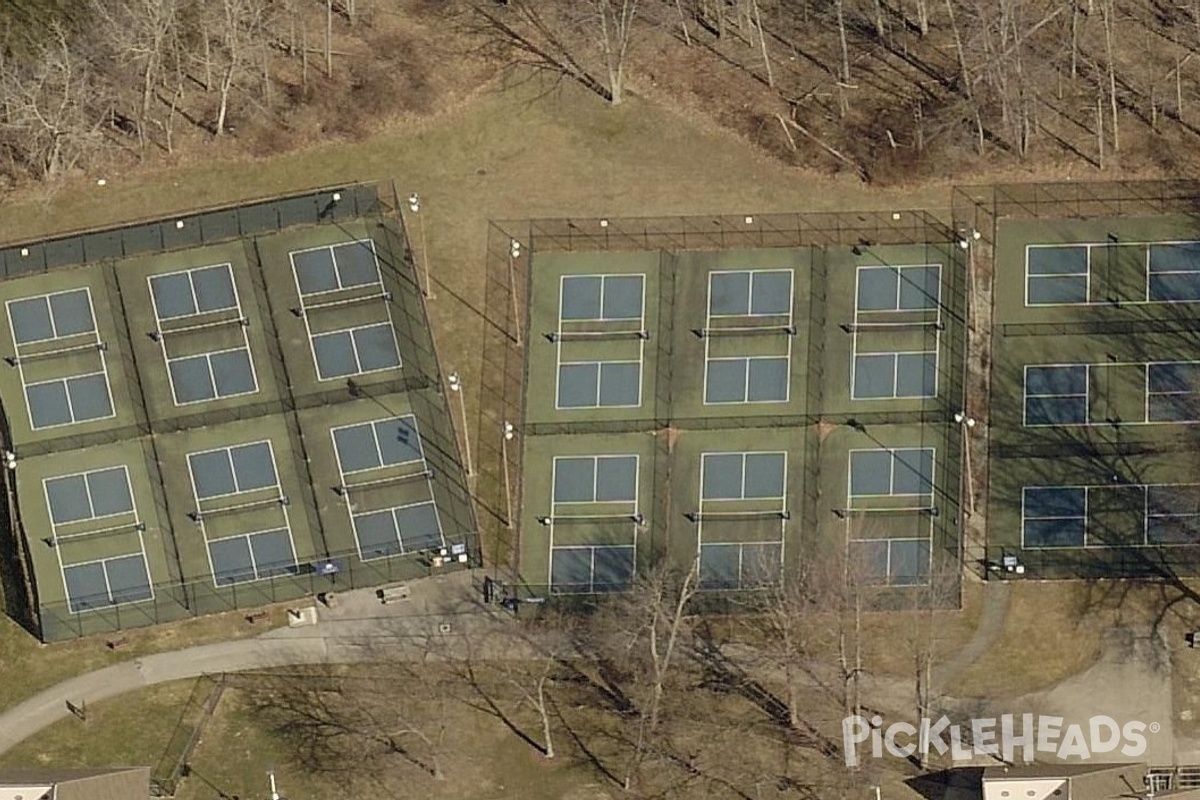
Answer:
(52, 776)
(1048, 770)
(1064, 781)
(116, 783)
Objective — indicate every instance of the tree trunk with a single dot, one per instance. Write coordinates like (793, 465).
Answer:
(543, 708)
(1179, 85)
(762, 39)
(1074, 40)
(169, 130)
(687, 37)
(841, 23)
(1107, 10)
(208, 78)
(148, 80)
(304, 56)
(329, 38)
(223, 108)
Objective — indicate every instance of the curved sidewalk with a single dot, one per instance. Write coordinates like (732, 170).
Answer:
(988, 629)
(358, 630)
(27, 718)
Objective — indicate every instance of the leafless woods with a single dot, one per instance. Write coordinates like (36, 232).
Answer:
(881, 88)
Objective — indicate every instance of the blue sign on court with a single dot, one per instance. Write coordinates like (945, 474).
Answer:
(328, 568)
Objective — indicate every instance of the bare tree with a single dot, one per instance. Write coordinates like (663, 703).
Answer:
(139, 31)
(232, 32)
(615, 25)
(1107, 11)
(762, 41)
(54, 107)
(660, 612)
(844, 73)
(527, 663)
(358, 723)
(567, 38)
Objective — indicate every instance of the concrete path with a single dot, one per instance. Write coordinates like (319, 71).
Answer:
(359, 628)
(990, 627)
(443, 615)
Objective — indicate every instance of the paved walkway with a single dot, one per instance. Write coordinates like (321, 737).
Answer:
(442, 609)
(989, 628)
(443, 615)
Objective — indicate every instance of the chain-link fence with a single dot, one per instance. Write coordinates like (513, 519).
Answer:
(181, 596)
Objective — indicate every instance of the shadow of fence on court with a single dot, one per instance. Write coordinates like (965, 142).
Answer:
(178, 601)
(182, 595)
(512, 245)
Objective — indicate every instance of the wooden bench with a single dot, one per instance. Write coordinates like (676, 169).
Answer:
(113, 644)
(256, 616)
(390, 594)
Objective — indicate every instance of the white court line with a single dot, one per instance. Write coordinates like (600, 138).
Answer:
(162, 338)
(558, 337)
(791, 273)
(412, 423)
(396, 524)
(346, 494)
(603, 276)
(1146, 367)
(212, 375)
(1089, 247)
(347, 488)
(228, 450)
(336, 272)
(50, 315)
(137, 522)
(197, 503)
(308, 334)
(70, 404)
(892, 452)
(354, 346)
(555, 505)
(87, 491)
(702, 514)
(347, 301)
(709, 317)
(97, 344)
(159, 319)
(287, 526)
(558, 362)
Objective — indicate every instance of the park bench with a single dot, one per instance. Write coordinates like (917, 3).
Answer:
(390, 594)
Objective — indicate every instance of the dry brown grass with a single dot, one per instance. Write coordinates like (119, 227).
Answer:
(513, 153)
(145, 722)
(893, 639)
(1048, 636)
(29, 667)
(481, 758)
